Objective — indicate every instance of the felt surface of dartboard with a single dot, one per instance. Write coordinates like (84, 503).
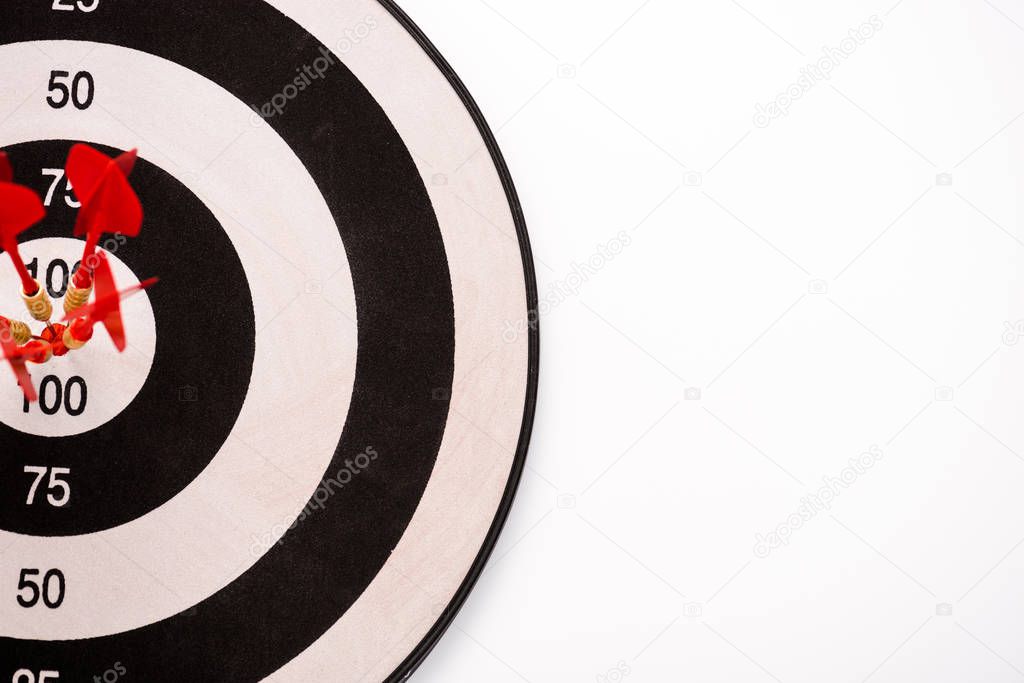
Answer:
(298, 466)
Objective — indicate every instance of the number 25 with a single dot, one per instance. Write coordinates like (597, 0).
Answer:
(68, 6)
(26, 676)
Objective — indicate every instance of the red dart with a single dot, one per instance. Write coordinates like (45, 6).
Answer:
(37, 351)
(54, 336)
(87, 167)
(6, 173)
(106, 309)
(108, 202)
(20, 209)
(77, 334)
(16, 357)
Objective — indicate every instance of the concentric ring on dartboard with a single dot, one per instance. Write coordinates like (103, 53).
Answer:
(197, 543)
(406, 349)
(285, 613)
(196, 379)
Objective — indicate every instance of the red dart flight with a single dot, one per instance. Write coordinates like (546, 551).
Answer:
(108, 202)
(20, 209)
(106, 309)
(16, 357)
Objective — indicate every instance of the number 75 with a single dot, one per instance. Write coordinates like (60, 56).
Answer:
(55, 485)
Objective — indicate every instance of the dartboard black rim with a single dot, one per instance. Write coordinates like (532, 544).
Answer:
(430, 641)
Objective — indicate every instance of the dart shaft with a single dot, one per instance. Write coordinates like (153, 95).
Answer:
(88, 254)
(29, 286)
(82, 279)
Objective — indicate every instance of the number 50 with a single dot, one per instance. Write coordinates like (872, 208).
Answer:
(80, 93)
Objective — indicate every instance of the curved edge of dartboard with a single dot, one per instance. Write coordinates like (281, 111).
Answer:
(433, 636)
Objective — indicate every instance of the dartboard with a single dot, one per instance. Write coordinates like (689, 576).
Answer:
(291, 456)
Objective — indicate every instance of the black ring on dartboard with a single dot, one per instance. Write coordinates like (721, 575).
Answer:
(301, 587)
(225, 642)
(205, 342)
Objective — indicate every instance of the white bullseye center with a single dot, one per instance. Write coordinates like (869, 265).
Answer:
(90, 386)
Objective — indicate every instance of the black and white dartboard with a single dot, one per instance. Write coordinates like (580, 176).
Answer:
(298, 466)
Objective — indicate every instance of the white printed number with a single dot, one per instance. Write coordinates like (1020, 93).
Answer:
(55, 486)
(26, 676)
(81, 5)
(58, 174)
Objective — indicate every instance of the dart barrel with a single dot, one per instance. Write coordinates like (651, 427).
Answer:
(77, 334)
(19, 331)
(76, 298)
(39, 305)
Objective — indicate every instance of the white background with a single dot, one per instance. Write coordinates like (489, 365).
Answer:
(791, 296)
